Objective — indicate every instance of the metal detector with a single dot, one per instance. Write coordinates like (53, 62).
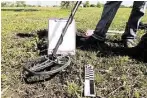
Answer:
(41, 66)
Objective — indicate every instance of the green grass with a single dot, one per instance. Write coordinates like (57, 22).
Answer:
(116, 76)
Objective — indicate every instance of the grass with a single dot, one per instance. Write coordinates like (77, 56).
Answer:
(116, 76)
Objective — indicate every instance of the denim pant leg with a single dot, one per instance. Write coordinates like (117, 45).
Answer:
(134, 19)
(109, 11)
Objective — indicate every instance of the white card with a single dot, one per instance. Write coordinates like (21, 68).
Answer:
(55, 29)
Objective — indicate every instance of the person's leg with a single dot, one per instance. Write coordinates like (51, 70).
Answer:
(133, 22)
(109, 11)
(108, 14)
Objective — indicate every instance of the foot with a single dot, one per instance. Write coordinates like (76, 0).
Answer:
(89, 40)
(143, 43)
(86, 41)
(129, 43)
(92, 43)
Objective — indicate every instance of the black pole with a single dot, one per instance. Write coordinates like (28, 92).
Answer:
(69, 21)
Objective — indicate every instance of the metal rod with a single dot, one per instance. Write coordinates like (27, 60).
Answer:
(69, 21)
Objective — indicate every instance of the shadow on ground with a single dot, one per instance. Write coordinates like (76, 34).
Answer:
(25, 35)
(41, 42)
(115, 48)
(20, 10)
(137, 52)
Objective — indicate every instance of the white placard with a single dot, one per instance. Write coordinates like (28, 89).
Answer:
(55, 29)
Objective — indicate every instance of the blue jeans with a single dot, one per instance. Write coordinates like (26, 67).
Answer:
(108, 14)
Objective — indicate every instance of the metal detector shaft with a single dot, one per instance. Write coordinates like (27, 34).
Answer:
(69, 21)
